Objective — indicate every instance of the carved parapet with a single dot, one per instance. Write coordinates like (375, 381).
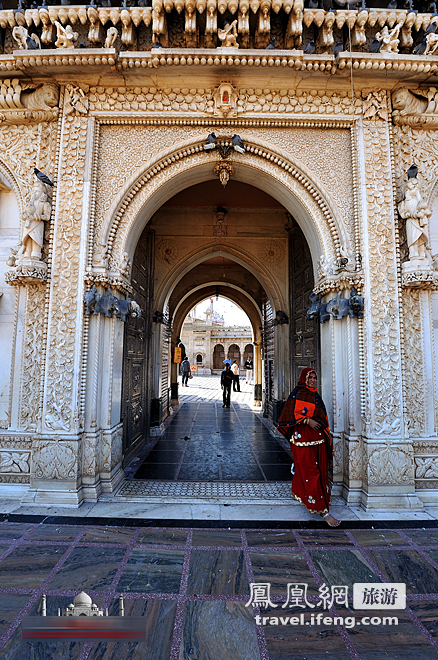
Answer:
(27, 274)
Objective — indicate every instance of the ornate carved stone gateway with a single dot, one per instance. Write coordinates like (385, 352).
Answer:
(327, 157)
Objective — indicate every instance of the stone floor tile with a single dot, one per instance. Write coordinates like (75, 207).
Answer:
(324, 537)
(219, 630)
(54, 533)
(270, 538)
(13, 531)
(158, 536)
(88, 568)
(427, 613)
(383, 537)
(344, 567)
(28, 566)
(422, 536)
(152, 571)
(279, 568)
(216, 537)
(159, 616)
(107, 535)
(217, 572)
(407, 566)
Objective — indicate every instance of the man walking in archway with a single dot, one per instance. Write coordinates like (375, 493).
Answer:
(236, 380)
(227, 378)
(185, 368)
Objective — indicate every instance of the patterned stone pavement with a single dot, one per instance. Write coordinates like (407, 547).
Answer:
(191, 584)
(208, 388)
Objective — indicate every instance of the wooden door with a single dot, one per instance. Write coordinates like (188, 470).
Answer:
(304, 334)
(137, 362)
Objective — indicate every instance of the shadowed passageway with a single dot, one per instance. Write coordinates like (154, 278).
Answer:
(205, 442)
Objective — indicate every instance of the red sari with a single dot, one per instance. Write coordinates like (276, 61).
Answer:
(311, 449)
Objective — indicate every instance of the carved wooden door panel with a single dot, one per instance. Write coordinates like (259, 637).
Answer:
(268, 316)
(137, 354)
(304, 334)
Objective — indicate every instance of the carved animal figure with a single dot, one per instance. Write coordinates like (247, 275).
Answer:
(90, 299)
(43, 98)
(339, 307)
(317, 309)
(355, 303)
(407, 103)
(105, 305)
(111, 36)
(65, 36)
(125, 308)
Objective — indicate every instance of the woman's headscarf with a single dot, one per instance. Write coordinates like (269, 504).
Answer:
(303, 402)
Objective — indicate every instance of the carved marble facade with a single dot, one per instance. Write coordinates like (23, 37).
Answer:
(120, 131)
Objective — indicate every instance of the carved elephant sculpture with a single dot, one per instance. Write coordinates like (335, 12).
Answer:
(125, 308)
(339, 307)
(318, 309)
(90, 299)
(106, 305)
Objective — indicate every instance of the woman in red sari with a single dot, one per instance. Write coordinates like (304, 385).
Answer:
(303, 421)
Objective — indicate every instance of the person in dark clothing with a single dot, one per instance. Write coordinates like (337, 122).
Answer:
(227, 378)
(185, 369)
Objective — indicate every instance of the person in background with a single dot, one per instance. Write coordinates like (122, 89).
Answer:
(185, 368)
(227, 378)
(248, 367)
(236, 380)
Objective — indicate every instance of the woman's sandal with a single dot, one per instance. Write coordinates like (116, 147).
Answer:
(335, 522)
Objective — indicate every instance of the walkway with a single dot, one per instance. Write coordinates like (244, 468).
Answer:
(208, 388)
(205, 442)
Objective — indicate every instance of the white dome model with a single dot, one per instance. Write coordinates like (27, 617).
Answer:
(82, 600)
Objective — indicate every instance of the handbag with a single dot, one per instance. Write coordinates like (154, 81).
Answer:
(190, 375)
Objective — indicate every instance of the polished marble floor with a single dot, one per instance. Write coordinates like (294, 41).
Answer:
(192, 586)
(206, 442)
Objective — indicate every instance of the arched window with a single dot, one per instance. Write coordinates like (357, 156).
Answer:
(248, 353)
(234, 353)
(199, 359)
(218, 357)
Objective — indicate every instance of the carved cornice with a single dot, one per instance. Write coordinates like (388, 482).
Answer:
(110, 281)
(420, 279)
(340, 282)
(22, 275)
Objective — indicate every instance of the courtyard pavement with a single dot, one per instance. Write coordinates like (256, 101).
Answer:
(185, 544)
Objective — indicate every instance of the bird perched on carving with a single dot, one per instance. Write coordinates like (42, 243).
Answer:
(33, 43)
(210, 142)
(338, 48)
(375, 46)
(43, 177)
(431, 29)
(238, 144)
(310, 48)
(412, 172)
(271, 45)
(392, 4)
(157, 44)
(431, 8)
(408, 4)
(82, 46)
(313, 4)
(421, 48)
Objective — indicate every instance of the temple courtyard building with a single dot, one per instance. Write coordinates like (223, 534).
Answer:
(281, 156)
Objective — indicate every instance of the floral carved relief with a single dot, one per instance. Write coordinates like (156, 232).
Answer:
(62, 342)
(413, 363)
(14, 461)
(390, 465)
(426, 467)
(33, 352)
(55, 459)
(384, 348)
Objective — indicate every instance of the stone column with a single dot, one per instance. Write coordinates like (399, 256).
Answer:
(387, 469)
(57, 453)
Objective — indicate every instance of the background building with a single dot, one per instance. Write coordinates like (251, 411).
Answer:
(209, 341)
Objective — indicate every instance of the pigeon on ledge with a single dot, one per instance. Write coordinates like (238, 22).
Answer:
(310, 48)
(42, 177)
(375, 46)
(271, 45)
(238, 144)
(412, 172)
(338, 48)
(210, 142)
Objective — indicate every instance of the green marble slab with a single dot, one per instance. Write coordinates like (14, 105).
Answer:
(326, 537)
(271, 538)
(216, 537)
(342, 567)
(162, 537)
(107, 535)
(387, 538)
